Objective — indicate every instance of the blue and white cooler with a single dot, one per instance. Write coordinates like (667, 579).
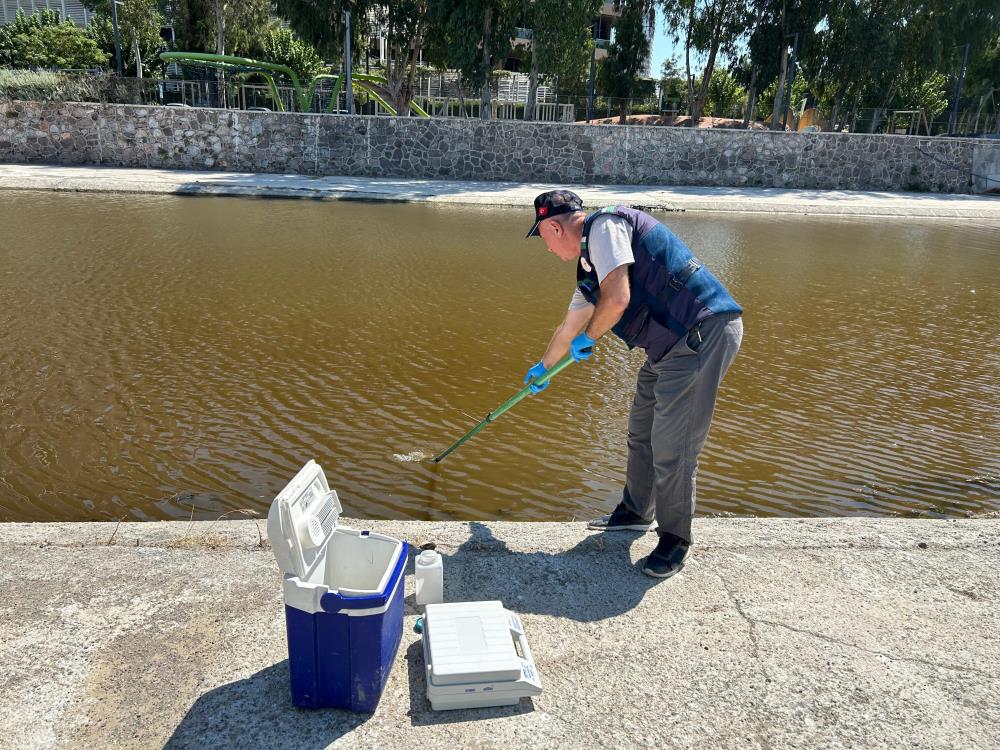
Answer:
(343, 592)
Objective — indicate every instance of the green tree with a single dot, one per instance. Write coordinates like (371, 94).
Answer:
(673, 86)
(927, 93)
(710, 27)
(561, 40)
(282, 46)
(770, 42)
(982, 81)
(628, 54)
(43, 40)
(723, 95)
(233, 27)
(476, 36)
(404, 25)
(139, 23)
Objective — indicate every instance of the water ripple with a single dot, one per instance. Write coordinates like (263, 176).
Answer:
(171, 358)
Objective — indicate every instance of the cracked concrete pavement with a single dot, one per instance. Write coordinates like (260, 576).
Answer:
(778, 633)
(650, 197)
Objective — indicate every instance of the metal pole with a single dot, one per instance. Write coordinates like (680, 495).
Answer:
(507, 405)
(593, 64)
(118, 39)
(347, 61)
(789, 79)
(953, 120)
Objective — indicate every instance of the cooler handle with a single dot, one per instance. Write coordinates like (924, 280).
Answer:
(528, 670)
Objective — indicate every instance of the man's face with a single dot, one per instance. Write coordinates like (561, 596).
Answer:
(560, 238)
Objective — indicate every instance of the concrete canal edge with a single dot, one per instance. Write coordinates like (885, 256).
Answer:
(779, 633)
(761, 201)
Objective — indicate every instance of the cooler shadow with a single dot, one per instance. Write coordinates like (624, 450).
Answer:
(421, 713)
(258, 711)
(592, 581)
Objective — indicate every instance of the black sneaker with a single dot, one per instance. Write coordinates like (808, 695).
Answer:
(668, 557)
(620, 519)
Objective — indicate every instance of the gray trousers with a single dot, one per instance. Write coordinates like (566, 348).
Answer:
(670, 419)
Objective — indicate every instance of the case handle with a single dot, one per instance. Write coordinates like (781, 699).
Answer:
(527, 661)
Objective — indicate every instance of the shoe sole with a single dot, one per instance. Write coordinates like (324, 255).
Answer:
(673, 571)
(630, 527)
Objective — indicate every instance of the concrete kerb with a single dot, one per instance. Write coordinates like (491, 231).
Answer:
(779, 633)
(766, 201)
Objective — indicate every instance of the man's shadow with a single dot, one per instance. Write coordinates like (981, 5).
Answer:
(258, 712)
(594, 580)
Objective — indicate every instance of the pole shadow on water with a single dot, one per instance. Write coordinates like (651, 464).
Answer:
(594, 580)
(258, 712)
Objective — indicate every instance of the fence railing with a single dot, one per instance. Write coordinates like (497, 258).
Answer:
(238, 93)
(499, 109)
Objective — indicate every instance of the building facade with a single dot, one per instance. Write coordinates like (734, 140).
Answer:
(70, 9)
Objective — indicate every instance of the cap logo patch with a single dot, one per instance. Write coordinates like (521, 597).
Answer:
(543, 210)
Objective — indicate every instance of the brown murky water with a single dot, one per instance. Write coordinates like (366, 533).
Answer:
(164, 357)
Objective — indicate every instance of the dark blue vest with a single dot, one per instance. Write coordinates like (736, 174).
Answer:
(670, 290)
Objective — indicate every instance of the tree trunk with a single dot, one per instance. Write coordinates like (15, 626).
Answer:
(407, 95)
(779, 92)
(220, 47)
(529, 106)
(880, 110)
(623, 111)
(461, 100)
(751, 99)
(485, 109)
(854, 110)
(138, 58)
(687, 62)
(836, 109)
(706, 76)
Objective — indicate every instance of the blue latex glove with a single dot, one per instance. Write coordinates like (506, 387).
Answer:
(536, 371)
(581, 347)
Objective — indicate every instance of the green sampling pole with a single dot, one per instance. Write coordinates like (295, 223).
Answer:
(508, 404)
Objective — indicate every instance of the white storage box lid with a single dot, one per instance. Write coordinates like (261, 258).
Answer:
(302, 519)
(471, 650)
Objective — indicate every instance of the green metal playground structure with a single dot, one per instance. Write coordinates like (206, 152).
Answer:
(367, 83)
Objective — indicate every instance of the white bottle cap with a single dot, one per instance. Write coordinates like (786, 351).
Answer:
(427, 557)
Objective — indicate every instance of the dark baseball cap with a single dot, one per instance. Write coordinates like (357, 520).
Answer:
(553, 203)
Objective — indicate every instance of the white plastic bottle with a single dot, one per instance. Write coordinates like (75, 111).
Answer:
(429, 572)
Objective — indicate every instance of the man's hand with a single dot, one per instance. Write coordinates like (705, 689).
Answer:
(536, 371)
(581, 347)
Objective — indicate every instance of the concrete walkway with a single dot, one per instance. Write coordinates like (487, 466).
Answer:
(779, 634)
(738, 200)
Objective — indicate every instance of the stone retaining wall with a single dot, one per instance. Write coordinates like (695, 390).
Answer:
(234, 140)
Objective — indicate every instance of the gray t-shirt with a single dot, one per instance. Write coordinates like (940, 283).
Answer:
(610, 246)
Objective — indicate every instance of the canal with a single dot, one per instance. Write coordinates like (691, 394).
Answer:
(170, 358)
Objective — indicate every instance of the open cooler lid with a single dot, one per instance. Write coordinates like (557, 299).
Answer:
(302, 519)
(471, 642)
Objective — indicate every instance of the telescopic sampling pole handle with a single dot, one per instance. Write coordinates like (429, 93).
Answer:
(558, 367)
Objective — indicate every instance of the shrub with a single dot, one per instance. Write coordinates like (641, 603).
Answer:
(43, 40)
(45, 86)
